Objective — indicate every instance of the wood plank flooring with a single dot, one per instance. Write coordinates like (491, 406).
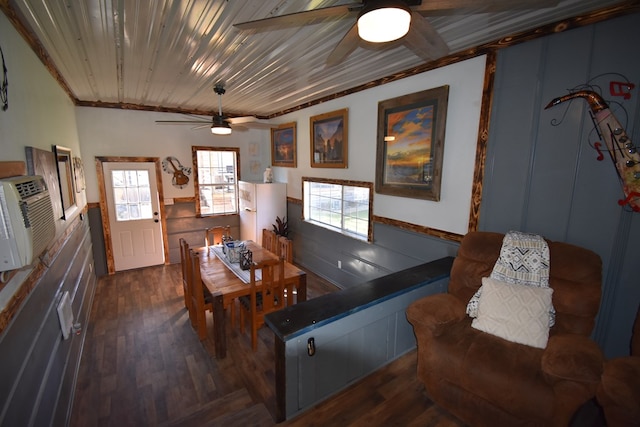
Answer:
(143, 365)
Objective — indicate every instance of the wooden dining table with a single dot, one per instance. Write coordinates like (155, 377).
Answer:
(225, 286)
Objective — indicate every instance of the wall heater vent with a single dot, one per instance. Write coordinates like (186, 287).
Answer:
(65, 314)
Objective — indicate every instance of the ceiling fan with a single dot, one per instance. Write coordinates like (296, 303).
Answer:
(383, 21)
(220, 124)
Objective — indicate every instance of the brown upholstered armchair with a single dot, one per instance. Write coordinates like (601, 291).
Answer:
(619, 390)
(485, 380)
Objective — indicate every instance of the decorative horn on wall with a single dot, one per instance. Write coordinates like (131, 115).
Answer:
(622, 152)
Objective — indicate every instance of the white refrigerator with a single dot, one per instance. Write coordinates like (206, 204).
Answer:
(260, 204)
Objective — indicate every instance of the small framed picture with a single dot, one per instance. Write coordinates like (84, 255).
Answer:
(410, 144)
(283, 145)
(329, 142)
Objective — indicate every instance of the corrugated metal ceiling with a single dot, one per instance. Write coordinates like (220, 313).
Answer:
(170, 53)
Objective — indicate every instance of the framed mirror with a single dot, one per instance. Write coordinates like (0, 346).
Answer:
(64, 163)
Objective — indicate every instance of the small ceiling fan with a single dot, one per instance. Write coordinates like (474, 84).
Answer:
(220, 124)
(383, 21)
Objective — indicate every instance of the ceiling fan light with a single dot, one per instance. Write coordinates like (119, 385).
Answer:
(220, 126)
(384, 21)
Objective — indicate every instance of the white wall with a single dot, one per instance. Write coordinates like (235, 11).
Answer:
(115, 132)
(40, 113)
(451, 213)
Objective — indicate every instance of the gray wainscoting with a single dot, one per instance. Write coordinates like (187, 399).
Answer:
(38, 367)
(547, 179)
(393, 249)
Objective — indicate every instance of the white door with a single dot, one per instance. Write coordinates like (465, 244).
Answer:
(133, 206)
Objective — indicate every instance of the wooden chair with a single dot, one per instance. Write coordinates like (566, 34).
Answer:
(185, 262)
(270, 296)
(213, 235)
(269, 240)
(201, 300)
(285, 249)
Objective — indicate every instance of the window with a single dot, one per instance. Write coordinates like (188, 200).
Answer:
(216, 180)
(131, 194)
(342, 206)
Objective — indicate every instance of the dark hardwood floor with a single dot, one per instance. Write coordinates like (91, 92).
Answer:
(143, 365)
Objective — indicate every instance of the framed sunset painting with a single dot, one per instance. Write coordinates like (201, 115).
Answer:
(410, 144)
(283, 145)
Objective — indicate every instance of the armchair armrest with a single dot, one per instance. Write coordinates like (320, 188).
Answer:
(619, 391)
(570, 357)
(435, 312)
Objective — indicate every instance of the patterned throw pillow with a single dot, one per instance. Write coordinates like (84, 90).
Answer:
(514, 312)
(523, 260)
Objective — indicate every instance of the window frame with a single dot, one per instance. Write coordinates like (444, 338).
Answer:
(196, 183)
(341, 229)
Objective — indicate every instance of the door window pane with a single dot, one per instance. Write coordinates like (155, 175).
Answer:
(131, 195)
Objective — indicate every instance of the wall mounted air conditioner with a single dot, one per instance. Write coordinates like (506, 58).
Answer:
(27, 224)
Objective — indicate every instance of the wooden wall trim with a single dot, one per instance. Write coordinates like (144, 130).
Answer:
(483, 138)
(14, 304)
(294, 200)
(184, 200)
(420, 229)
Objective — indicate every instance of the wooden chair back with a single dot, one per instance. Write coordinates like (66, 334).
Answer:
(213, 235)
(285, 249)
(199, 302)
(266, 298)
(185, 262)
(269, 240)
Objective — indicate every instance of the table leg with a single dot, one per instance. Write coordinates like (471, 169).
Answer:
(302, 288)
(219, 334)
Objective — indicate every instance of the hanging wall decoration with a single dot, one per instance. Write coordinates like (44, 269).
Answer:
(622, 151)
(4, 86)
(78, 175)
(43, 163)
(172, 166)
(283, 145)
(329, 139)
(410, 144)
